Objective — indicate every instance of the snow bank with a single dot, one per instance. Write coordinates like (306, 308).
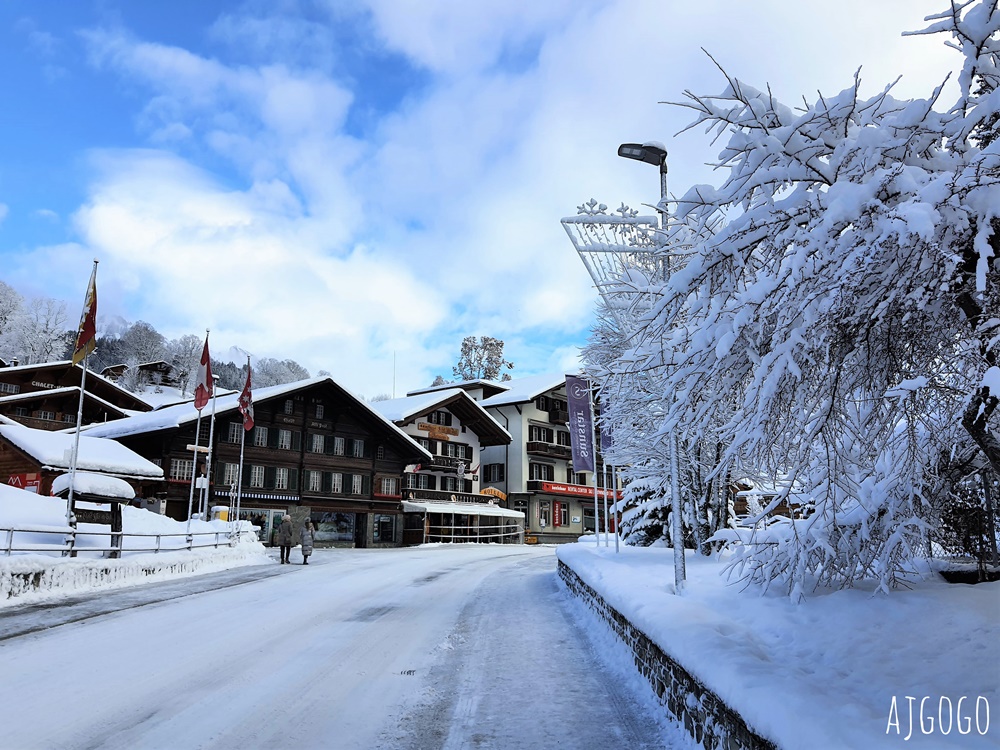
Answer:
(825, 672)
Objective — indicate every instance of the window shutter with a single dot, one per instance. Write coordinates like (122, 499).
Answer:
(293, 478)
(246, 474)
(296, 441)
(269, 473)
(349, 447)
(366, 485)
(272, 438)
(328, 445)
(327, 481)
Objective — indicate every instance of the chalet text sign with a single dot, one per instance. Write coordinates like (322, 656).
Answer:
(438, 431)
(40, 384)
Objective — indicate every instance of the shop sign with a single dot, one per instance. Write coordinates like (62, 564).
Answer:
(577, 490)
(29, 482)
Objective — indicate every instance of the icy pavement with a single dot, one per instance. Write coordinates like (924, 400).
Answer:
(431, 647)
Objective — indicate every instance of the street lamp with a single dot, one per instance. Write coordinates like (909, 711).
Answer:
(651, 152)
(655, 153)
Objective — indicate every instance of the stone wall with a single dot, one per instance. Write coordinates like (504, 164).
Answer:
(712, 724)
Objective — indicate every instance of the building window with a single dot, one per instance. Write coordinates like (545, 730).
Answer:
(315, 481)
(493, 473)
(338, 446)
(541, 472)
(542, 403)
(319, 411)
(285, 439)
(538, 434)
(411, 481)
(9, 388)
(181, 468)
(260, 437)
(440, 417)
(380, 453)
(450, 484)
(230, 474)
(316, 443)
(289, 407)
(570, 476)
(47, 415)
(563, 518)
(233, 433)
(384, 528)
(581, 478)
(281, 479)
(543, 513)
(356, 484)
(562, 438)
(390, 486)
(425, 481)
(359, 450)
(256, 476)
(21, 411)
(337, 483)
(69, 418)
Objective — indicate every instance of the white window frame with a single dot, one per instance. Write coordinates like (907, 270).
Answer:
(337, 483)
(281, 479)
(338, 446)
(285, 440)
(315, 481)
(358, 448)
(357, 484)
(230, 474)
(234, 432)
(316, 444)
(256, 476)
(390, 486)
(319, 411)
(289, 406)
(260, 437)
(181, 469)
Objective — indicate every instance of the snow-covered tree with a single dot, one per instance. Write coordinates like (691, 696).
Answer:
(184, 353)
(838, 336)
(482, 358)
(41, 333)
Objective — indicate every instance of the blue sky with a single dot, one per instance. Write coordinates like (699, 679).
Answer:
(353, 183)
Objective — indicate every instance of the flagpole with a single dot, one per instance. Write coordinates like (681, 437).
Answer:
(208, 457)
(614, 487)
(245, 403)
(607, 526)
(85, 340)
(194, 468)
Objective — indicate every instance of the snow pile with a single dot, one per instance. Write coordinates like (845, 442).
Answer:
(40, 522)
(829, 667)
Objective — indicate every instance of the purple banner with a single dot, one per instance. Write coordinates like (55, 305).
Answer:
(581, 424)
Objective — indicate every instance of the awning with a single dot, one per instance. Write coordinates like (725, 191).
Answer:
(465, 509)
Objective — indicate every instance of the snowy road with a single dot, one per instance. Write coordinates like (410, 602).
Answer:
(432, 647)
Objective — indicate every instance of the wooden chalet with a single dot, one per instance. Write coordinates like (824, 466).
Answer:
(47, 396)
(32, 459)
(315, 451)
(150, 373)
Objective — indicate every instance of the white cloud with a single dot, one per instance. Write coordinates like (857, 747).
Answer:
(4, 210)
(339, 253)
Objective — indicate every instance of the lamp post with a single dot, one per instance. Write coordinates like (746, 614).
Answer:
(655, 153)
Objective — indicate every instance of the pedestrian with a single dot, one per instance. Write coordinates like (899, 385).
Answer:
(285, 537)
(306, 536)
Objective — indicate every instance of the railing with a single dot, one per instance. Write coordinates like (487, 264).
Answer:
(541, 448)
(118, 540)
(506, 533)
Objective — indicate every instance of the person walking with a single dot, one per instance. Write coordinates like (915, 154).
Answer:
(285, 537)
(306, 536)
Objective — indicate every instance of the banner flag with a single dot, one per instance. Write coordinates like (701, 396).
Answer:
(581, 424)
(86, 335)
(246, 403)
(203, 389)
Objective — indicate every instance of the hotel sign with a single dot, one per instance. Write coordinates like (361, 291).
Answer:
(438, 431)
(577, 490)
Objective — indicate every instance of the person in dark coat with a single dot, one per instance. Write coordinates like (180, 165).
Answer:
(285, 537)
(306, 537)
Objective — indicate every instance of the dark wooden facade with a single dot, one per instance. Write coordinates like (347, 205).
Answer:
(47, 396)
(315, 451)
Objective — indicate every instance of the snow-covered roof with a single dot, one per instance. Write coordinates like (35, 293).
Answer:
(88, 483)
(64, 391)
(522, 390)
(465, 385)
(172, 417)
(468, 509)
(53, 451)
(91, 375)
(456, 400)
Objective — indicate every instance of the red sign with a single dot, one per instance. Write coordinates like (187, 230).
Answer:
(557, 513)
(29, 482)
(577, 490)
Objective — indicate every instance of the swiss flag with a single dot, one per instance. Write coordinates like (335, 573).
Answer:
(203, 390)
(246, 404)
(86, 335)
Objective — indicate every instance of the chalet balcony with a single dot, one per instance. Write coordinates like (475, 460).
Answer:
(445, 463)
(558, 416)
(549, 450)
(444, 496)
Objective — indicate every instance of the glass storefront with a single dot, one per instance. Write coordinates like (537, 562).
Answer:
(384, 530)
(334, 527)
